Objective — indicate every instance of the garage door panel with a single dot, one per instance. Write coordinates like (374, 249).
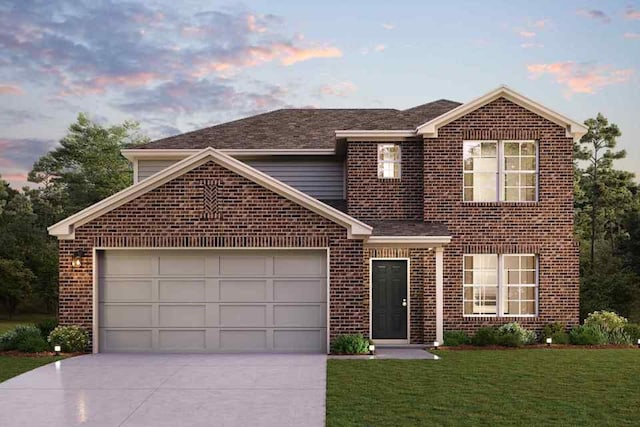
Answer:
(243, 340)
(296, 339)
(300, 290)
(175, 290)
(126, 340)
(243, 315)
(121, 290)
(131, 315)
(212, 301)
(171, 265)
(181, 316)
(243, 290)
(298, 316)
(243, 265)
(183, 340)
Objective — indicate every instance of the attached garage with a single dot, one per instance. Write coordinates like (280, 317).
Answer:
(236, 300)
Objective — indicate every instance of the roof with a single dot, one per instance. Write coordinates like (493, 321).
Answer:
(408, 228)
(300, 128)
(65, 229)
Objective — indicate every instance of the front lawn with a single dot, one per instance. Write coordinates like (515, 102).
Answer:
(21, 319)
(488, 387)
(10, 366)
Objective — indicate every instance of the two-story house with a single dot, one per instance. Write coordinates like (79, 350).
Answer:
(280, 231)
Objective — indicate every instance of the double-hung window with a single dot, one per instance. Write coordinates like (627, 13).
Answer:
(500, 171)
(500, 285)
(389, 161)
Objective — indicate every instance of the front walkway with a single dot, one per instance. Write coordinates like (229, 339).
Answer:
(169, 390)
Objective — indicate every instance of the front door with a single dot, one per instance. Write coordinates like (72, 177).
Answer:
(389, 300)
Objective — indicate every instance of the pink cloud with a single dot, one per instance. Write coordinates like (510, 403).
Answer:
(100, 84)
(341, 89)
(581, 78)
(527, 34)
(542, 23)
(531, 45)
(379, 47)
(631, 35)
(11, 90)
(254, 26)
(632, 14)
(292, 54)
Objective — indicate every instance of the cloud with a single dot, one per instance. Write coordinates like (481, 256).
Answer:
(630, 35)
(531, 45)
(11, 90)
(631, 13)
(18, 155)
(595, 14)
(379, 47)
(341, 89)
(18, 117)
(527, 34)
(542, 23)
(388, 26)
(581, 77)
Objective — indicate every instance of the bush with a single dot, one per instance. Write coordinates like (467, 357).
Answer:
(484, 336)
(588, 335)
(25, 338)
(556, 332)
(633, 330)
(611, 325)
(71, 339)
(514, 335)
(350, 344)
(46, 326)
(455, 338)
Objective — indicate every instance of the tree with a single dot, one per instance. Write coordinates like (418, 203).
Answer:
(15, 284)
(596, 147)
(87, 166)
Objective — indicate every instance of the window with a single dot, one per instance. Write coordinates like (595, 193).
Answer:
(500, 171)
(388, 161)
(512, 276)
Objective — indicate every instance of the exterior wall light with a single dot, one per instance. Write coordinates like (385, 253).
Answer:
(549, 341)
(372, 349)
(436, 344)
(57, 349)
(76, 261)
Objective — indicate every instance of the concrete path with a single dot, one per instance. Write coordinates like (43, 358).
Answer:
(169, 390)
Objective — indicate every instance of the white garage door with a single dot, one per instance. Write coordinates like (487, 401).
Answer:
(212, 301)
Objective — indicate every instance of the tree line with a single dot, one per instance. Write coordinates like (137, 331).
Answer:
(87, 166)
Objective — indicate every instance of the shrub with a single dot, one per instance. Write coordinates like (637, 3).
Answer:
(588, 335)
(455, 338)
(350, 344)
(611, 325)
(484, 336)
(514, 335)
(633, 330)
(46, 326)
(71, 339)
(556, 332)
(25, 338)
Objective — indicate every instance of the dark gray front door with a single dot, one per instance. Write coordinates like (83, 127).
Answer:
(389, 299)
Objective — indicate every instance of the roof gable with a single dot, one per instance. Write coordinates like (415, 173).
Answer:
(65, 229)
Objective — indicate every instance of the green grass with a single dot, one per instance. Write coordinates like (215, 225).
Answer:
(10, 366)
(21, 319)
(517, 387)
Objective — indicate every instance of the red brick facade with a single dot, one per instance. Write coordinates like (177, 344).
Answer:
(249, 216)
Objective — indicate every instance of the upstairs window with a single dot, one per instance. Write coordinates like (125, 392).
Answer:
(500, 171)
(389, 161)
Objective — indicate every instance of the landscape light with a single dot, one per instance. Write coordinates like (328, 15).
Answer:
(436, 344)
(372, 349)
(549, 341)
(57, 349)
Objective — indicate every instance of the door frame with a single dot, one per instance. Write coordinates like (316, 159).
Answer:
(95, 278)
(390, 341)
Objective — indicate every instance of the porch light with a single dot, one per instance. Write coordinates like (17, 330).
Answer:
(76, 261)
(372, 349)
(549, 341)
(436, 344)
(57, 349)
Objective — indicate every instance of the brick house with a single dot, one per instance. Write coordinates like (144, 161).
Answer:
(280, 231)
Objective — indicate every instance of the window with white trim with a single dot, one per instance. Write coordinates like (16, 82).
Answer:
(500, 171)
(389, 160)
(500, 285)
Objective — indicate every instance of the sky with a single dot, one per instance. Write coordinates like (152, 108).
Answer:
(176, 66)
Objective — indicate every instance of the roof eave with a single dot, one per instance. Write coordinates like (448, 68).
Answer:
(408, 241)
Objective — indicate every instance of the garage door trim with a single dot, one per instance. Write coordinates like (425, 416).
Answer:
(95, 277)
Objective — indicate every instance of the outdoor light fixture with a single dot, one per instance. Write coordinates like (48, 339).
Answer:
(76, 261)
(436, 344)
(638, 342)
(57, 349)
(372, 349)
(549, 341)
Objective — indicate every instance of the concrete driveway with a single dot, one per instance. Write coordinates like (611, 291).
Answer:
(169, 390)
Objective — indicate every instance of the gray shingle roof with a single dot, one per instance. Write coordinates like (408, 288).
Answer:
(408, 228)
(300, 128)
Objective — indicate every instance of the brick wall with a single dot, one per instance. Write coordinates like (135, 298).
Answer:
(372, 198)
(544, 227)
(239, 213)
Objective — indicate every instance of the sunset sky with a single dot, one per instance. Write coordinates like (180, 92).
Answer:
(176, 66)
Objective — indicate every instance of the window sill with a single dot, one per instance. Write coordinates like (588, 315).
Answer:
(501, 204)
(495, 316)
